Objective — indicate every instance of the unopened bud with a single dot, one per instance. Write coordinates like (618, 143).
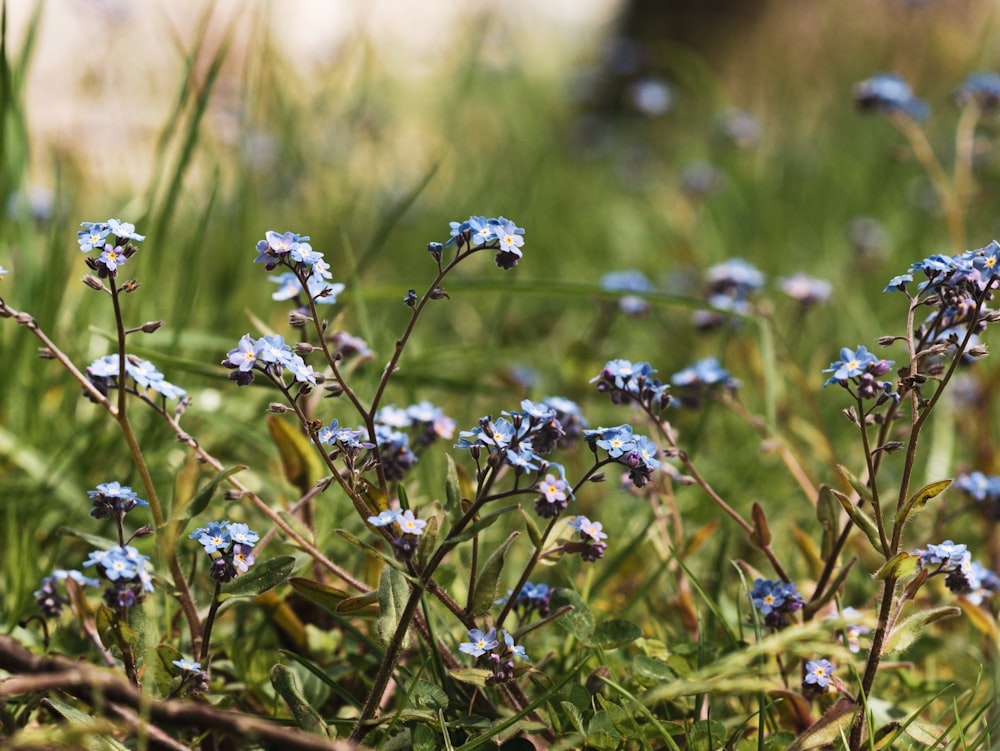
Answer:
(599, 477)
(438, 294)
(94, 283)
(277, 408)
(233, 495)
(150, 326)
(298, 319)
(304, 348)
(44, 353)
(130, 286)
(143, 532)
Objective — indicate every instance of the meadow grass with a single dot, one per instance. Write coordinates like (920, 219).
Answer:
(372, 169)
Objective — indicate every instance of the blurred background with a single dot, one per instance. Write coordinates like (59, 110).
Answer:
(654, 137)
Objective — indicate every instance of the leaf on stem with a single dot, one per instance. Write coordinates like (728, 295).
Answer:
(900, 566)
(859, 487)
(393, 592)
(260, 578)
(919, 499)
(298, 456)
(486, 584)
(907, 632)
(286, 684)
(579, 621)
(861, 520)
(828, 514)
(829, 728)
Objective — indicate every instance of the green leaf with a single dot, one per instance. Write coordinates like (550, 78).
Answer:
(652, 669)
(428, 695)
(114, 632)
(299, 461)
(260, 578)
(393, 592)
(424, 739)
(861, 520)
(919, 499)
(615, 633)
(358, 602)
(579, 621)
(471, 676)
(907, 632)
(834, 723)
(863, 491)
(200, 502)
(101, 543)
(900, 566)
(828, 514)
(453, 497)
(486, 584)
(160, 667)
(88, 726)
(317, 593)
(286, 684)
(534, 533)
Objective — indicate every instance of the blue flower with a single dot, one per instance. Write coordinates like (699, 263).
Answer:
(769, 596)
(852, 363)
(112, 257)
(242, 558)
(124, 230)
(93, 236)
(384, 519)
(818, 673)
(244, 356)
(983, 88)
(112, 497)
(889, 93)
(481, 229)
(947, 553)
(410, 524)
(121, 563)
(242, 534)
(617, 441)
(214, 537)
(587, 528)
(513, 649)
(188, 665)
(480, 643)
(288, 286)
(898, 283)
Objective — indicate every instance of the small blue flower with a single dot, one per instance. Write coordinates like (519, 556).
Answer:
(512, 648)
(947, 553)
(480, 643)
(852, 363)
(112, 257)
(93, 236)
(767, 596)
(384, 519)
(244, 356)
(410, 524)
(188, 665)
(617, 441)
(482, 230)
(124, 230)
(214, 537)
(587, 528)
(984, 88)
(242, 534)
(818, 673)
(288, 286)
(889, 93)
(805, 289)
(898, 283)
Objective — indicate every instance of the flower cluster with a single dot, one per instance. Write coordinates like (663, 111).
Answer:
(501, 662)
(962, 574)
(49, 600)
(626, 381)
(729, 288)
(957, 288)
(861, 369)
(499, 234)
(230, 545)
(775, 600)
(982, 88)
(521, 438)
(889, 94)
(104, 371)
(591, 545)
(532, 598)
(395, 427)
(269, 355)
(126, 570)
(635, 452)
(410, 527)
(694, 383)
(115, 241)
(112, 498)
(310, 274)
